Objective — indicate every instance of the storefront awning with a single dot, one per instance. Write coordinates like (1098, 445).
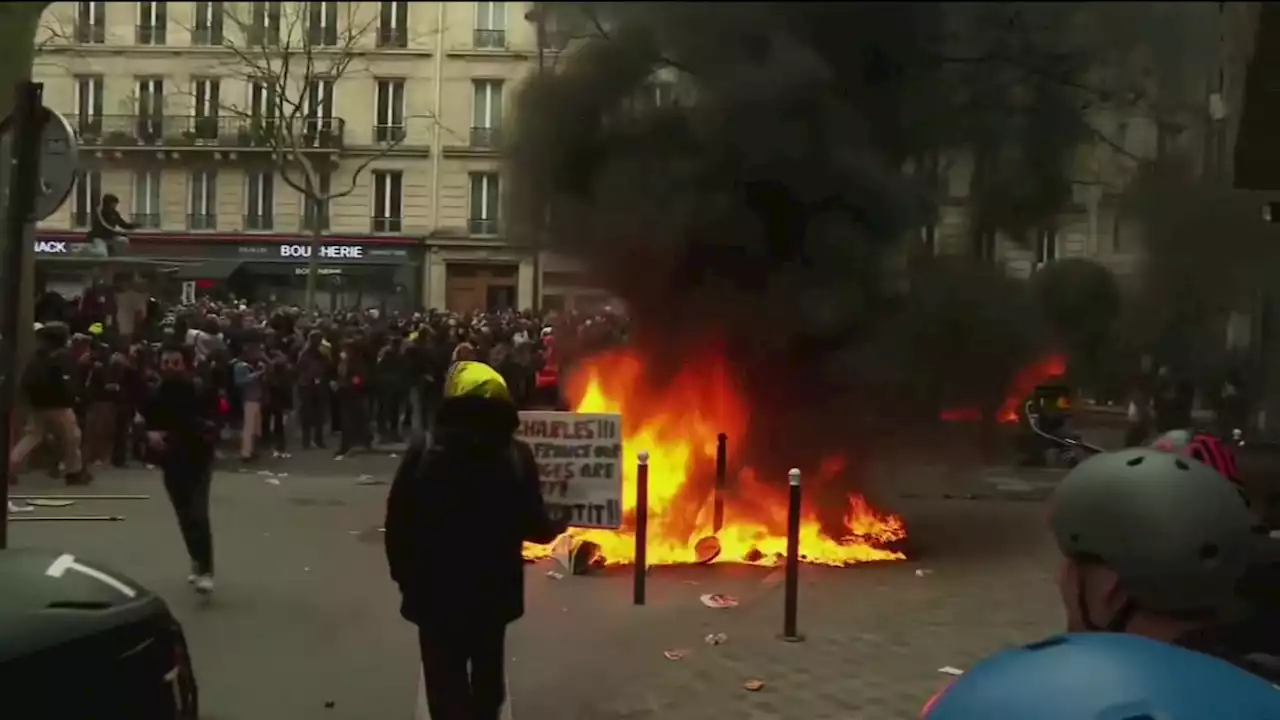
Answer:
(208, 270)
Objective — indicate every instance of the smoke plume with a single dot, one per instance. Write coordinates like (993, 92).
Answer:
(772, 201)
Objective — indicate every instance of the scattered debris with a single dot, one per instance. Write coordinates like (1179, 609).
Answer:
(353, 532)
(265, 472)
(369, 480)
(948, 670)
(329, 704)
(50, 502)
(716, 639)
(271, 480)
(674, 654)
(921, 572)
(706, 549)
(393, 455)
(576, 556)
(554, 575)
(282, 474)
(717, 601)
(382, 530)
(753, 685)
(691, 582)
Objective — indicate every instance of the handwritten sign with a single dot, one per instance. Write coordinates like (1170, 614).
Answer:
(579, 458)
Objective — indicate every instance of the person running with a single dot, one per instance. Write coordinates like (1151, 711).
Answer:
(181, 432)
(1155, 544)
(472, 463)
(1103, 676)
(50, 394)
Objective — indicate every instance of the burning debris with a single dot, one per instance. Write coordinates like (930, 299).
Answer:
(677, 421)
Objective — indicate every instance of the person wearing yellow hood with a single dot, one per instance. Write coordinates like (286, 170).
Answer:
(461, 506)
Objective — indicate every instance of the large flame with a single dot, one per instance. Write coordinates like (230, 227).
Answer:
(677, 424)
(1020, 388)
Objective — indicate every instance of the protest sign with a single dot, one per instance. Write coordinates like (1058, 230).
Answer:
(579, 458)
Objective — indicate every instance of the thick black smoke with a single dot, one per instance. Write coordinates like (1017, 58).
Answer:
(775, 202)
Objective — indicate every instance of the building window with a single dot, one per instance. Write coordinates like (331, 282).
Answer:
(322, 24)
(664, 93)
(202, 200)
(153, 23)
(1046, 247)
(146, 199)
(485, 194)
(320, 125)
(491, 25)
(207, 96)
(390, 112)
(388, 201)
(260, 201)
(89, 92)
(315, 208)
(91, 25)
(150, 109)
(264, 29)
(393, 25)
(207, 29)
(486, 113)
(984, 245)
(84, 203)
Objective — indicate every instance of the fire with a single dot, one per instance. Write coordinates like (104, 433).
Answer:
(677, 424)
(1020, 388)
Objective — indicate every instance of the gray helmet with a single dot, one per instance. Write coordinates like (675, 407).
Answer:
(1176, 532)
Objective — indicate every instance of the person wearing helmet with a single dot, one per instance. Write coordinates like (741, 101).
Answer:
(1154, 545)
(1104, 676)
(1201, 447)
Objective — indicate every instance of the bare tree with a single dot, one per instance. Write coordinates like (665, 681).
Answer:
(293, 56)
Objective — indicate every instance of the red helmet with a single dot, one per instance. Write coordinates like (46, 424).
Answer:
(1202, 448)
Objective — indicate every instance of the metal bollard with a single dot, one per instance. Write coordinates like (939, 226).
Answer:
(722, 452)
(791, 591)
(642, 527)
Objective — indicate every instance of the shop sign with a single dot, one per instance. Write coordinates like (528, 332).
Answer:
(52, 247)
(344, 252)
(320, 271)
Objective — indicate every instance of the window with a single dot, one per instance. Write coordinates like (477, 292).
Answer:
(146, 199)
(153, 22)
(491, 25)
(486, 113)
(320, 124)
(91, 25)
(260, 201)
(664, 93)
(88, 193)
(263, 110)
(208, 26)
(984, 245)
(388, 201)
(1046, 246)
(393, 23)
(206, 93)
(484, 204)
(322, 23)
(390, 112)
(315, 212)
(89, 106)
(150, 109)
(202, 200)
(264, 30)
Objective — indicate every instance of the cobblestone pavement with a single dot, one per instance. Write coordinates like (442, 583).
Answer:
(305, 615)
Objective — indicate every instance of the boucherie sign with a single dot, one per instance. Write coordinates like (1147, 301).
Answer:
(349, 252)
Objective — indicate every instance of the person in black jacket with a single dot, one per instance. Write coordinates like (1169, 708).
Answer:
(50, 392)
(462, 599)
(181, 431)
(107, 229)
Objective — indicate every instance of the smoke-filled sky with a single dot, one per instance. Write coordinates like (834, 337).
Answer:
(770, 204)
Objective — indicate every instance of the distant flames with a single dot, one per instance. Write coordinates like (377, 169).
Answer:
(1020, 388)
(677, 424)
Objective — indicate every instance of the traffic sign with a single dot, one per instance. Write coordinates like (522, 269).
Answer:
(59, 160)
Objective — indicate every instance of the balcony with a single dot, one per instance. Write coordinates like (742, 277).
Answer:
(490, 39)
(146, 221)
(392, 38)
(155, 131)
(259, 223)
(87, 34)
(485, 138)
(149, 35)
(480, 226)
(389, 133)
(202, 221)
(387, 224)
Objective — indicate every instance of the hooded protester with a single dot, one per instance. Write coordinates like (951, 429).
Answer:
(108, 229)
(472, 470)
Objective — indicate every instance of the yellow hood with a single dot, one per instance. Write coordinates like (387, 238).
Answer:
(468, 378)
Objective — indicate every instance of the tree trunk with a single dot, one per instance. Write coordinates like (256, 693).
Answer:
(313, 268)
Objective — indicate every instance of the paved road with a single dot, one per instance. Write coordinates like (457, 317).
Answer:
(305, 615)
